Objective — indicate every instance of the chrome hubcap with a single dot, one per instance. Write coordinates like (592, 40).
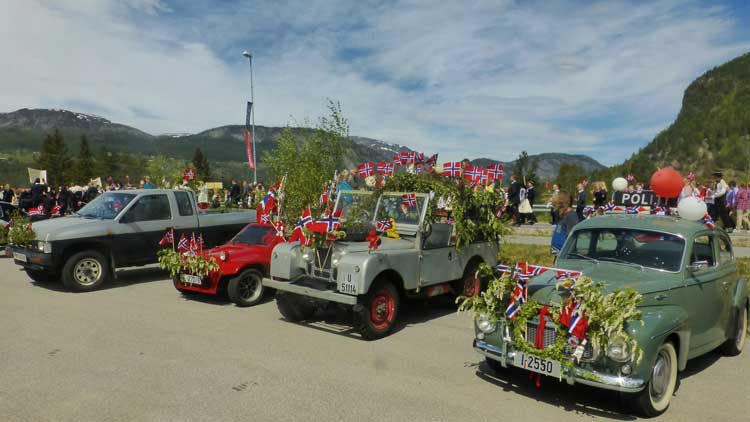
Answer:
(87, 271)
(660, 376)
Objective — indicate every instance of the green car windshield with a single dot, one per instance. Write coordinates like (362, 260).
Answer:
(644, 248)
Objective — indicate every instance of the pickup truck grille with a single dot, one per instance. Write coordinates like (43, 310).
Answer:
(550, 337)
(321, 265)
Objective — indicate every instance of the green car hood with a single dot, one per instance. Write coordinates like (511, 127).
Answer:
(614, 276)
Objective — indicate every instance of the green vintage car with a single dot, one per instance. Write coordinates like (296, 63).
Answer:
(694, 301)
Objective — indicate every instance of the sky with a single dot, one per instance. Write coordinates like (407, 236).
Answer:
(462, 79)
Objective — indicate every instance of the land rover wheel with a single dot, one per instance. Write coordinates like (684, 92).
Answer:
(375, 317)
(247, 288)
(40, 276)
(85, 271)
(470, 285)
(293, 308)
(654, 399)
(736, 343)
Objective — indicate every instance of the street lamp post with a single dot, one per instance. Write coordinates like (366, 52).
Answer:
(252, 114)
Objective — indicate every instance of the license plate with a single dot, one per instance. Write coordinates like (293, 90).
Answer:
(190, 279)
(19, 257)
(536, 364)
(347, 286)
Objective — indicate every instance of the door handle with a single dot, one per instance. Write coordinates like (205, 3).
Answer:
(450, 256)
(660, 296)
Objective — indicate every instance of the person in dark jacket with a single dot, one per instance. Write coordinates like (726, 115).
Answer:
(514, 198)
(531, 196)
(37, 191)
(7, 195)
(568, 219)
(581, 201)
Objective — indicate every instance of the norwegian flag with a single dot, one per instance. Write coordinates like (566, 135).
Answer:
(56, 210)
(589, 211)
(610, 206)
(418, 169)
(183, 244)
(495, 171)
(385, 169)
(305, 220)
(329, 222)
(188, 174)
(485, 180)
(473, 173)
(525, 271)
(517, 299)
(566, 275)
(708, 221)
(397, 160)
(578, 325)
(432, 160)
(658, 211)
(36, 211)
(503, 269)
(419, 158)
(324, 198)
(409, 199)
(384, 225)
(265, 218)
(168, 238)
(408, 157)
(366, 169)
(452, 169)
(634, 210)
(269, 202)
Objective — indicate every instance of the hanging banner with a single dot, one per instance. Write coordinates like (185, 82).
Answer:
(249, 141)
(188, 174)
(34, 174)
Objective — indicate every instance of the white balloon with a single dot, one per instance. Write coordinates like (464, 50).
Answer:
(692, 208)
(620, 184)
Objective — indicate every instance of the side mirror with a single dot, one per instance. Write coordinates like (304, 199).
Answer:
(126, 218)
(696, 266)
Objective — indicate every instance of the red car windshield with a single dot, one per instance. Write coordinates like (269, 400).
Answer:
(255, 235)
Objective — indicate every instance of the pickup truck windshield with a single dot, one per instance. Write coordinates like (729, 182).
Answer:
(255, 235)
(650, 249)
(355, 206)
(106, 206)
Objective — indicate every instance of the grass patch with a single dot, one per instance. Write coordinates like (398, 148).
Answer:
(511, 253)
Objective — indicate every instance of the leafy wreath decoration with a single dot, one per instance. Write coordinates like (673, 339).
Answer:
(519, 325)
(177, 263)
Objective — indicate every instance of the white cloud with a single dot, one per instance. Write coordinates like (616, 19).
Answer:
(492, 78)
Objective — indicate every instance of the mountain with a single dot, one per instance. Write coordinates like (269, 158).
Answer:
(548, 164)
(22, 131)
(711, 131)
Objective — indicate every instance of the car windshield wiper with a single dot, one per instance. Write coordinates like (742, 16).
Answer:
(576, 254)
(620, 261)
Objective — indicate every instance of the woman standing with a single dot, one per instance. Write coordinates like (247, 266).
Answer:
(743, 207)
(568, 219)
(600, 194)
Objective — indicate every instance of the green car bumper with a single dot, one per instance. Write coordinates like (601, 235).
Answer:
(571, 374)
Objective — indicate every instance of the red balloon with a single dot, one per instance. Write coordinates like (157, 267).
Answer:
(667, 183)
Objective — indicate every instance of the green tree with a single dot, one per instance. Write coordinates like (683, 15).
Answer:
(525, 167)
(54, 158)
(161, 167)
(107, 162)
(84, 166)
(308, 164)
(200, 163)
(570, 175)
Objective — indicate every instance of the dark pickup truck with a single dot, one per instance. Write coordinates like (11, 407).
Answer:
(119, 229)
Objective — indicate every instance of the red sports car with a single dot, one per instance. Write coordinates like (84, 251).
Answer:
(243, 262)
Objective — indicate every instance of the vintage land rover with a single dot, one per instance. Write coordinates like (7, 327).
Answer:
(422, 262)
(694, 301)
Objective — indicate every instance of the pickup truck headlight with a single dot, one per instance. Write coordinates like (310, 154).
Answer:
(485, 325)
(308, 256)
(44, 247)
(618, 350)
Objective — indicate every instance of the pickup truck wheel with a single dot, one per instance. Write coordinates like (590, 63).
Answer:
(293, 308)
(654, 399)
(469, 285)
(736, 343)
(85, 271)
(247, 288)
(375, 318)
(40, 276)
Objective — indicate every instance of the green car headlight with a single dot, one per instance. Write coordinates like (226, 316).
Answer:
(619, 350)
(485, 325)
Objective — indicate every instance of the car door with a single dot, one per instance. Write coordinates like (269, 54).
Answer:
(727, 283)
(440, 259)
(186, 221)
(702, 293)
(144, 224)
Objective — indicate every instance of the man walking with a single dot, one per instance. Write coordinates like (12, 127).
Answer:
(581, 202)
(720, 202)
(514, 199)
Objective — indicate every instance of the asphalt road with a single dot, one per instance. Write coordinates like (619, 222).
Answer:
(140, 351)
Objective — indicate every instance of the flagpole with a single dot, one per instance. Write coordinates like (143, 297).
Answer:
(252, 114)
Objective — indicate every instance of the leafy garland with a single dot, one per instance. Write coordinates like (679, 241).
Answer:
(21, 234)
(317, 239)
(606, 314)
(177, 263)
(473, 213)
